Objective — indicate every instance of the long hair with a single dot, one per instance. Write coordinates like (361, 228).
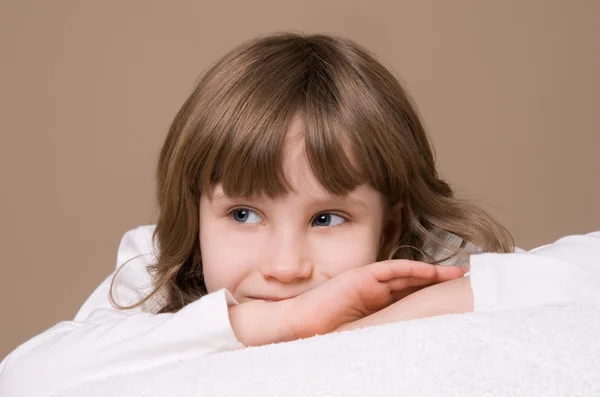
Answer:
(360, 127)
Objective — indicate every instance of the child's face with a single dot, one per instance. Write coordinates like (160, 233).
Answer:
(277, 249)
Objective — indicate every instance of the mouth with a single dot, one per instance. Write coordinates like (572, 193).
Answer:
(269, 298)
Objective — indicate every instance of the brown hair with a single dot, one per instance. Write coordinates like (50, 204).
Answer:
(231, 131)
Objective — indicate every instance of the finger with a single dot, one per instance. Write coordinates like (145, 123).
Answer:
(400, 284)
(447, 273)
(398, 268)
(386, 270)
(434, 273)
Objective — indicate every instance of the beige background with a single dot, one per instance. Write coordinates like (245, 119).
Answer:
(509, 91)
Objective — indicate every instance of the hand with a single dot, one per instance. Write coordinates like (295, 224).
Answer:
(338, 303)
(358, 293)
(450, 297)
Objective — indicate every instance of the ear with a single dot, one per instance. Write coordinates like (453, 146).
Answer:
(392, 230)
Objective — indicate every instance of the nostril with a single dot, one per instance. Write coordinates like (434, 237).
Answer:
(289, 272)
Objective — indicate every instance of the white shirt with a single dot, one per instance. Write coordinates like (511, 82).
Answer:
(102, 341)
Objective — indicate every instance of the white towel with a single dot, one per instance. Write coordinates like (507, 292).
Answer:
(549, 351)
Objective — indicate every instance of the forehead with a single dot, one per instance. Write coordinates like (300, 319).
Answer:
(296, 168)
(297, 172)
(295, 165)
(305, 154)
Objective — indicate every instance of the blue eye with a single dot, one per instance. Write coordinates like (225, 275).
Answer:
(326, 219)
(244, 215)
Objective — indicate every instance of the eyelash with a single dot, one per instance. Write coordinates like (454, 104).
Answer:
(343, 216)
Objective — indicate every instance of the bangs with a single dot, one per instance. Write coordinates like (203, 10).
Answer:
(253, 162)
(252, 99)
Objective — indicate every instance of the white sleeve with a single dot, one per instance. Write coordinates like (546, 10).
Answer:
(103, 341)
(133, 280)
(565, 272)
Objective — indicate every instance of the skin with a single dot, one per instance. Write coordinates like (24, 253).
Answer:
(305, 263)
(281, 248)
(450, 297)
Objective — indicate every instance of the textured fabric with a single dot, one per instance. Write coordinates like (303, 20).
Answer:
(550, 351)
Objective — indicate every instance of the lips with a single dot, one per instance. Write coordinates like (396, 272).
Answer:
(270, 298)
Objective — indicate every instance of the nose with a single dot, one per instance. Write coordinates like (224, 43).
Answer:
(288, 261)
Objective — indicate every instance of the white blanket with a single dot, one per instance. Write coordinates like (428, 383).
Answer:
(551, 351)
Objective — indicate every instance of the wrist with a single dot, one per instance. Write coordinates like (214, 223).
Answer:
(259, 323)
(450, 297)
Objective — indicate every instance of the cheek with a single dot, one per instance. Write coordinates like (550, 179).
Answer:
(219, 265)
(226, 259)
(222, 264)
(338, 253)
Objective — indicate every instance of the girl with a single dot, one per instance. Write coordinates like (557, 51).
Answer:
(297, 195)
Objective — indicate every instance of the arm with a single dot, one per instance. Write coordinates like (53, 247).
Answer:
(450, 297)
(111, 342)
(565, 272)
(103, 341)
(340, 302)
